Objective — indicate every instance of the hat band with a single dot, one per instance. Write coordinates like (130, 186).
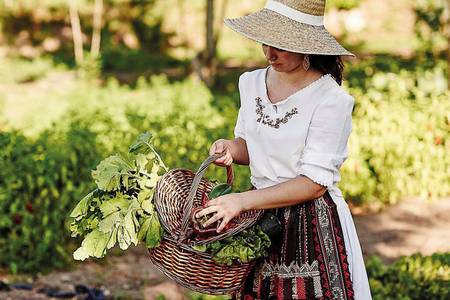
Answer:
(294, 14)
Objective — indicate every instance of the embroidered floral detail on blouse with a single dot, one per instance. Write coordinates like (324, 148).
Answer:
(266, 120)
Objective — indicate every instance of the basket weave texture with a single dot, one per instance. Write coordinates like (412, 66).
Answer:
(177, 195)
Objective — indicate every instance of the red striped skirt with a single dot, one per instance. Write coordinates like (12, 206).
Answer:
(308, 261)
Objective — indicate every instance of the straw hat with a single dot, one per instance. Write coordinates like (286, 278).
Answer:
(291, 25)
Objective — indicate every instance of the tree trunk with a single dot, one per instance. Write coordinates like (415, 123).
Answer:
(76, 32)
(97, 28)
(210, 49)
(205, 63)
(223, 10)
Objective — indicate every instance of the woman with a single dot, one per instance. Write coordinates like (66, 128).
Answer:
(292, 130)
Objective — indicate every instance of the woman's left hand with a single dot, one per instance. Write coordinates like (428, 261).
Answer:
(225, 208)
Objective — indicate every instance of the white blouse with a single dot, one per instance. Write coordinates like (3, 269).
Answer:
(304, 134)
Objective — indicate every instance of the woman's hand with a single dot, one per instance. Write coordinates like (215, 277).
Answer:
(225, 208)
(221, 146)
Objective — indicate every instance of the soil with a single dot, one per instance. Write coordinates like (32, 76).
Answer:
(412, 226)
(406, 228)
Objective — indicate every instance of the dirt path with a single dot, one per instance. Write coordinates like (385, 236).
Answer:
(412, 226)
(409, 227)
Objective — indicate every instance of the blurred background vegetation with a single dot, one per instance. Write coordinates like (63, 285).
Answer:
(80, 79)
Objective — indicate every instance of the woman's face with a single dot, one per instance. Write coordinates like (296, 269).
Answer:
(281, 60)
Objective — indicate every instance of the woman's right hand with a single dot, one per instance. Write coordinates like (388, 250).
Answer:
(221, 146)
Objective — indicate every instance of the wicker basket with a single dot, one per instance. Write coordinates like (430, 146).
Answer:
(177, 195)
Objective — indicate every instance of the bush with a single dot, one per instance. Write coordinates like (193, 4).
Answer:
(21, 70)
(409, 278)
(40, 181)
(400, 139)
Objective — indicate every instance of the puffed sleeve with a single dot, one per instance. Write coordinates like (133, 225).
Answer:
(326, 143)
(239, 129)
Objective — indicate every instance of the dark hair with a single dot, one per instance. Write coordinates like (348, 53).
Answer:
(328, 64)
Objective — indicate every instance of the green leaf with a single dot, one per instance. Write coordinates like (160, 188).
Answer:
(112, 238)
(119, 203)
(153, 181)
(93, 245)
(109, 223)
(75, 230)
(141, 143)
(125, 180)
(108, 174)
(244, 254)
(145, 183)
(215, 246)
(95, 203)
(129, 224)
(200, 248)
(155, 169)
(154, 232)
(143, 229)
(82, 206)
(141, 162)
(145, 194)
(123, 237)
(219, 190)
(148, 207)
(91, 222)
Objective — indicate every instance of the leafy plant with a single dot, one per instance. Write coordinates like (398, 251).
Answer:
(430, 28)
(415, 277)
(400, 138)
(243, 247)
(39, 182)
(120, 210)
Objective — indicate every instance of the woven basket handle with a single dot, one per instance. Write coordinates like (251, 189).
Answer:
(193, 191)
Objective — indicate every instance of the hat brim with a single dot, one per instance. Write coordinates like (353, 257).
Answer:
(273, 29)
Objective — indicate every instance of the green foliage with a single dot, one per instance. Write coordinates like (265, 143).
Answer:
(198, 296)
(122, 59)
(120, 210)
(343, 4)
(40, 180)
(430, 28)
(219, 190)
(16, 70)
(415, 277)
(243, 247)
(400, 138)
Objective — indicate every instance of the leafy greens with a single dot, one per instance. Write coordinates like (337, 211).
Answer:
(120, 210)
(244, 246)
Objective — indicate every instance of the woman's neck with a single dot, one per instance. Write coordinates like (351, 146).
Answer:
(298, 77)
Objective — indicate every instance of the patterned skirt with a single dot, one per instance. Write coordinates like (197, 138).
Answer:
(309, 260)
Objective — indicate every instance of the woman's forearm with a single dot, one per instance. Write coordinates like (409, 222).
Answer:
(291, 192)
(239, 152)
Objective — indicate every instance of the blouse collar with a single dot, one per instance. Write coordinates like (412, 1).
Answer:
(310, 86)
